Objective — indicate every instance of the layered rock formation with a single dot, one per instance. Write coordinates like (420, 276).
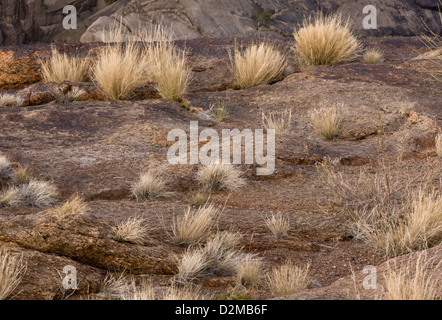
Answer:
(35, 21)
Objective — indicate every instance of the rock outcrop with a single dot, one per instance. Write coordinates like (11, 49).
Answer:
(36, 21)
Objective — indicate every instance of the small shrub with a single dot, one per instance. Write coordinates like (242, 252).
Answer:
(281, 122)
(131, 230)
(279, 225)
(215, 176)
(150, 186)
(12, 269)
(326, 121)
(9, 100)
(326, 41)
(61, 67)
(287, 279)
(373, 56)
(73, 207)
(258, 64)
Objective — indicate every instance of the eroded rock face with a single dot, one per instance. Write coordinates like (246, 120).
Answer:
(35, 21)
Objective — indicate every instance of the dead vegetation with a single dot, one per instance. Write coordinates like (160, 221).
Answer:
(74, 206)
(132, 230)
(12, 269)
(287, 279)
(62, 67)
(328, 40)
(258, 64)
(216, 176)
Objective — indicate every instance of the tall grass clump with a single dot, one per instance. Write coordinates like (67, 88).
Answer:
(119, 71)
(328, 40)
(62, 67)
(257, 64)
(168, 69)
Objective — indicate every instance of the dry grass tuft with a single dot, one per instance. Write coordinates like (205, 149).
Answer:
(119, 71)
(9, 100)
(287, 279)
(150, 186)
(12, 269)
(439, 145)
(194, 225)
(5, 168)
(218, 111)
(222, 252)
(326, 121)
(414, 226)
(75, 206)
(373, 56)
(61, 67)
(21, 175)
(115, 286)
(198, 199)
(66, 97)
(191, 266)
(186, 293)
(326, 41)
(281, 122)
(168, 69)
(216, 176)
(249, 270)
(132, 230)
(412, 281)
(118, 32)
(279, 225)
(145, 291)
(35, 193)
(258, 64)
